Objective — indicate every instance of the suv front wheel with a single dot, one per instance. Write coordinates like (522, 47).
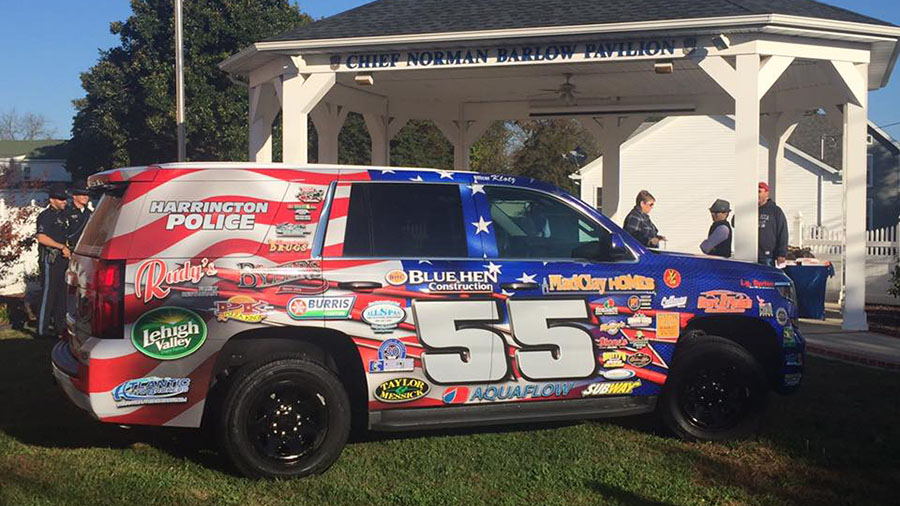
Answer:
(716, 391)
(285, 418)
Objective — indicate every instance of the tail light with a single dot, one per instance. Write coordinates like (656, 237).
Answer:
(107, 315)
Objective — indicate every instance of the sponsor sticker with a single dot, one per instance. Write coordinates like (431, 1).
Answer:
(792, 380)
(639, 340)
(241, 308)
(613, 359)
(672, 302)
(152, 278)
(287, 246)
(555, 283)
(638, 302)
(401, 390)
(396, 277)
(302, 212)
(305, 308)
(612, 328)
(446, 281)
(292, 230)
(611, 388)
(493, 393)
(672, 278)
(392, 358)
(383, 316)
(781, 316)
(618, 374)
(755, 283)
(605, 342)
(795, 359)
(789, 338)
(455, 395)
(209, 215)
(765, 308)
(310, 194)
(151, 390)
(668, 325)
(640, 360)
(639, 320)
(168, 333)
(724, 301)
(301, 277)
(608, 308)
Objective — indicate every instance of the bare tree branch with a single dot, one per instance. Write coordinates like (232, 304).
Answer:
(26, 127)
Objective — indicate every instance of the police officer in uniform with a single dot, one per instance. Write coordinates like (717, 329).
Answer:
(718, 240)
(77, 215)
(53, 257)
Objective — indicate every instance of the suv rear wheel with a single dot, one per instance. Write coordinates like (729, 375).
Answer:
(285, 418)
(716, 391)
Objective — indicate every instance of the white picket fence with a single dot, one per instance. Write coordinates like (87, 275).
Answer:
(881, 243)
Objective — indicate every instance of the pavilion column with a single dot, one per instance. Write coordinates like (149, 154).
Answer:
(382, 128)
(855, 78)
(328, 119)
(777, 129)
(610, 133)
(300, 93)
(462, 133)
(264, 107)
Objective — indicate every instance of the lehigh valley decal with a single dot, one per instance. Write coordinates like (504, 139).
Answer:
(168, 333)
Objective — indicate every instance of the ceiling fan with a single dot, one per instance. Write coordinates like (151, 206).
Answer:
(566, 90)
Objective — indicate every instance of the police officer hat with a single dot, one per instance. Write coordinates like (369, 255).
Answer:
(720, 206)
(79, 189)
(57, 191)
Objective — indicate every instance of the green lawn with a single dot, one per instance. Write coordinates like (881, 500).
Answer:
(836, 442)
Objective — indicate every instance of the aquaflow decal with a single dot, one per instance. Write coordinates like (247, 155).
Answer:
(383, 315)
(492, 393)
(401, 390)
(152, 390)
(206, 215)
(555, 283)
(168, 333)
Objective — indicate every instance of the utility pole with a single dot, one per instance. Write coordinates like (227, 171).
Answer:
(179, 83)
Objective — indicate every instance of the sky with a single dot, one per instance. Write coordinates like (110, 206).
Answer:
(51, 42)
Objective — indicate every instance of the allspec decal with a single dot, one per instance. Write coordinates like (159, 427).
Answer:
(672, 278)
(724, 301)
(241, 308)
(638, 302)
(168, 333)
(305, 308)
(401, 390)
(287, 246)
(611, 388)
(555, 283)
(152, 390)
(639, 320)
(292, 230)
(152, 278)
(668, 325)
(765, 308)
(207, 215)
(640, 360)
(673, 302)
(301, 277)
(446, 281)
(608, 308)
(383, 316)
(392, 358)
(493, 393)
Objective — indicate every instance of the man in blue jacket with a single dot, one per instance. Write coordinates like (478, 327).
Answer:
(773, 230)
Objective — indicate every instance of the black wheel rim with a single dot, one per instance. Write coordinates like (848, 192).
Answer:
(288, 421)
(716, 398)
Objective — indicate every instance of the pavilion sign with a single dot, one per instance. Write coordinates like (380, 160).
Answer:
(516, 54)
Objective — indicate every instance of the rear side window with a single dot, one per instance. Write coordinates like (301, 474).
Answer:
(100, 227)
(405, 220)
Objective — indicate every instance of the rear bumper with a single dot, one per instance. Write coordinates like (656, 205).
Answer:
(66, 373)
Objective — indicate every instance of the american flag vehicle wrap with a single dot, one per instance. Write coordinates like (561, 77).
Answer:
(208, 253)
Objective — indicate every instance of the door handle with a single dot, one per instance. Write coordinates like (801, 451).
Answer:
(358, 285)
(520, 286)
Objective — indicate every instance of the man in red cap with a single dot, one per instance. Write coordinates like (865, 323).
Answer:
(773, 230)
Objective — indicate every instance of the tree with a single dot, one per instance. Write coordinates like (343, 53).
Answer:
(546, 147)
(127, 116)
(24, 127)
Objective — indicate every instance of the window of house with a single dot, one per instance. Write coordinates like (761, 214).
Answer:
(530, 224)
(870, 169)
(870, 213)
(405, 220)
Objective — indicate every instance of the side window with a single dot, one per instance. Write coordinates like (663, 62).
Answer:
(405, 220)
(529, 224)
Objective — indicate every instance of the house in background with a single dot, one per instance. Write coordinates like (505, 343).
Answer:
(678, 161)
(40, 162)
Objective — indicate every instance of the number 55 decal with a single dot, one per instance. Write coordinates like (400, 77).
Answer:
(463, 350)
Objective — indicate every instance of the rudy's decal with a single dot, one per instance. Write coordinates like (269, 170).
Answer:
(765, 308)
(304, 308)
(611, 388)
(287, 246)
(383, 316)
(401, 390)
(151, 390)
(724, 301)
(391, 358)
(638, 302)
(672, 278)
(168, 333)
(492, 393)
(608, 308)
(208, 215)
(668, 325)
(556, 283)
(673, 302)
(640, 360)
(241, 308)
(152, 278)
(292, 230)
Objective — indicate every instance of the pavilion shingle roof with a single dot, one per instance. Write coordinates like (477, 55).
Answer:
(408, 17)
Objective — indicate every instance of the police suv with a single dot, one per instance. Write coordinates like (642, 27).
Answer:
(284, 304)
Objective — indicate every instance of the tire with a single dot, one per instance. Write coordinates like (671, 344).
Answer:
(715, 391)
(285, 418)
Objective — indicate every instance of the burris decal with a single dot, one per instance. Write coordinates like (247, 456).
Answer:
(392, 358)
(765, 308)
(638, 302)
(303, 308)
(724, 301)
(401, 390)
(781, 316)
(611, 388)
(639, 360)
(555, 283)
(292, 230)
(301, 277)
(492, 393)
(168, 333)
(152, 390)
(152, 279)
(241, 308)
(383, 316)
(455, 395)
(207, 215)
(672, 278)
(608, 308)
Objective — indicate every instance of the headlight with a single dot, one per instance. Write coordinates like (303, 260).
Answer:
(787, 291)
